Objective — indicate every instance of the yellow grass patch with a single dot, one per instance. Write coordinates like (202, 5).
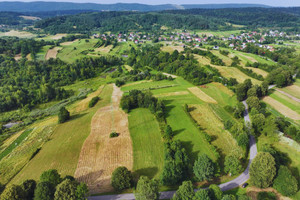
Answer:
(104, 49)
(52, 53)
(201, 95)
(294, 90)
(172, 48)
(82, 105)
(128, 67)
(258, 71)
(172, 94)
(14, 33)
(202, 60)
(8, 141)
(18, 57)
(100, 155)
(249, 58)
(211, 123)
(173, 76)
(136, 83)
(223, 88)
(30, 18)
(68, 43)
(286, 111)
(58, 36)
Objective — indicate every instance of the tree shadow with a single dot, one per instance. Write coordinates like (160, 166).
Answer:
(76, 116)
(190, 109)
(176, 132)
(148, 171)
(189, 148)
(169, 107)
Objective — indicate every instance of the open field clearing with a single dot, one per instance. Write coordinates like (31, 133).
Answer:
(173, 76)
(220, 93)
(30, 17)
(84, 104)
(287, 101)
(212, 124)
(18, 57)
(225, 59)
(52, 53)
(62, 148)
(172, 48)
(41, 55)
(104, 49)
(293, 90)
(68, 43)
(201, 95)
(136, 83)
(10, 140)
(253, 192)
(77, 50)
(128, 68)
(172, 94)
(286, 111)
(258, 71)
(58, 36)
(100, 154)
(148, 148)
(149, 85)
(232, 72)
(20, 34)
(218, 33)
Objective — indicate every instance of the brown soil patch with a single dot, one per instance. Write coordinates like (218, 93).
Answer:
(84, 104)
(201, 95)
(172, 94)
(52, 53)
(100, 155)
(252, 192)
(286, 111)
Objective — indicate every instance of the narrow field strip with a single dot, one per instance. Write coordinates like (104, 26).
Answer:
(172, 94)
(100, 154)
(293, 93)
(201, 95)
(82, 105)
(286, 111)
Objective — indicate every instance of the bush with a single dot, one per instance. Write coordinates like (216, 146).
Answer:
(146, 189)
(215, 192)
(44, 191)
(63, 115)
(66, 190)
(113, 134)
(51, 176)
(93, 101)
(232, 165)
(266, 196)
(285, 182)
(28, 187)
(121, 179)
(185, 191)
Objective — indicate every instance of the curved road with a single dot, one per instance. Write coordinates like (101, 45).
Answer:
(224, 186)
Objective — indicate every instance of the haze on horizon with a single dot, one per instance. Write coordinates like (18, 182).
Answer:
(286, 3)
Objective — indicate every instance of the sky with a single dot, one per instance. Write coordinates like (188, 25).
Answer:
(284, 3)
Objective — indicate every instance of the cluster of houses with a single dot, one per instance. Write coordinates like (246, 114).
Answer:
(237, 42)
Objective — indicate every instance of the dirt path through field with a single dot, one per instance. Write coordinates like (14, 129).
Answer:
(288, 95)
(100, 155)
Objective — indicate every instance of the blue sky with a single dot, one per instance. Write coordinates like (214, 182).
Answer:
(284, 3)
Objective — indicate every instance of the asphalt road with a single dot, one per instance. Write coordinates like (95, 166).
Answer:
(224, 186)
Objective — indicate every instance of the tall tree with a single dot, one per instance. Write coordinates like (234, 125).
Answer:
(146, 189)
(185, 191)
(204, 168)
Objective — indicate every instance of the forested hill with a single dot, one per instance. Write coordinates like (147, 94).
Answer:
(55, 6)
(179, 19)
(126, 21)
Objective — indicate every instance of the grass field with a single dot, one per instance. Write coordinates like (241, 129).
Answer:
(61, 150)
(52, 53)
(293, 105)
(283, 109)
(41, 55)
(74, 51)
(147, 85)
(172, 48)
(293, 90)
(14, 33)
(148, 149)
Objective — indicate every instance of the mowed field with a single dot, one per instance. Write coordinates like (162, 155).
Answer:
(293, 90)
(52, 53)
(101, 155)
(283, 109)
(60, 149)
(148, 148)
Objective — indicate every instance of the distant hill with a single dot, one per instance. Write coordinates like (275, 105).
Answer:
(40, 6)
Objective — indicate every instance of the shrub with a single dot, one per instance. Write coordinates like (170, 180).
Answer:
(63, 115)
(266, 196)
(285, 182)
(28, 187)
(232, 165)
(185, 191)
(215, 192)
(51, 176)
(121, 179)
(66, 190)
(44, 191)
(93, 101)
(113, 134)
(146, 189)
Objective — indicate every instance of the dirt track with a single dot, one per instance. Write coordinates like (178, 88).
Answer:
(100, 155)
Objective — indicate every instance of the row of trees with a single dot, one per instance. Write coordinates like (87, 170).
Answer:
(50, 186)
